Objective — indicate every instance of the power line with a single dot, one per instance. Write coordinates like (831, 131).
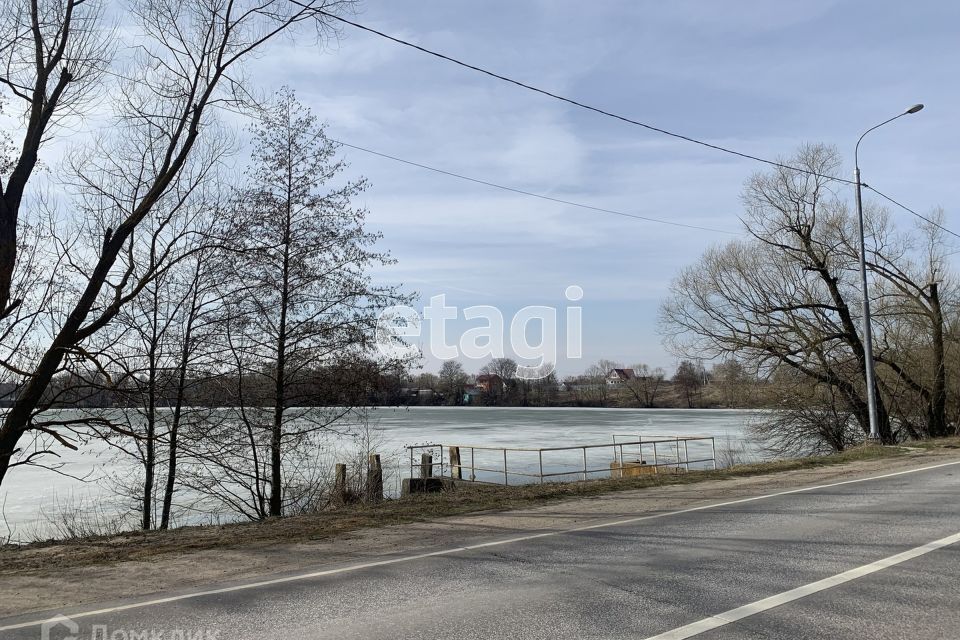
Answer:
(601, 209)
(906, 208)
(616, 116)
(582, 105)
(530, 193)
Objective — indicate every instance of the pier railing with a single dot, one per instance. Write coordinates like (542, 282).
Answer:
(624, 456)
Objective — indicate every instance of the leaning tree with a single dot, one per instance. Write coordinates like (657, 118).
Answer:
(184, 63)
(788, 296)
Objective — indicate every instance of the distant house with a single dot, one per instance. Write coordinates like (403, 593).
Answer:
(619, 376)
(490, 383)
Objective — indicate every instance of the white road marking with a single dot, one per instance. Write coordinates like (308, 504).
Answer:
(727, 617)
(446, 552)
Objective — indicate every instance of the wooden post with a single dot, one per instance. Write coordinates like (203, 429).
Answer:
(426, 465)
(506, 478)
(455, 469)
(374, 478)
(340, 485)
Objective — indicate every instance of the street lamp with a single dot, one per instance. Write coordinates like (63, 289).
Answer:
(867, 333)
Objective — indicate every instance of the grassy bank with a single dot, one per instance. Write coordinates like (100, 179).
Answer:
(464, 499)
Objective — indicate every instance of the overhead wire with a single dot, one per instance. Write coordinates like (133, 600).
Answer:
(583, 105)
(906, 208)
(531, 193)
(622, 118)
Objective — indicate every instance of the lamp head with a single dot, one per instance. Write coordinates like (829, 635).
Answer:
(914, 108)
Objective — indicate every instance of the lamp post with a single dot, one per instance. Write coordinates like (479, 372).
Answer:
(867, 333)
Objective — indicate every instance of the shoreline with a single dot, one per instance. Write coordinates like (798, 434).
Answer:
(36, 497)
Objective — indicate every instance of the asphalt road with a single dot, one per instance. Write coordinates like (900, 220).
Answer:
(633, 579)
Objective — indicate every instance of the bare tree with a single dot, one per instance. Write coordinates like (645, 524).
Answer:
(153, 345)
(506, 370)
(52, 52)
(8, 152)
(188, 62)
(300, 297)
(789, 297)
(543, 385)
(689, 379)
(810, 418)
(783, 297)
(195, 340)
(453, 381)
(645, 384)
(594, 388)
(913, 283)
(734, 382)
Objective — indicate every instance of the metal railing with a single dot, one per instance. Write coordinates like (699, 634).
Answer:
(652, 452)
(672, 447)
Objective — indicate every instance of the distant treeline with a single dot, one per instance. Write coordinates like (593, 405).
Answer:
(365, 383)
(343, 384)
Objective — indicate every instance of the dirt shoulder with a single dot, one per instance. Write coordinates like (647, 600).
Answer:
(58, 575)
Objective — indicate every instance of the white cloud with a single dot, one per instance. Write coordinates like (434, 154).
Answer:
(749, 74)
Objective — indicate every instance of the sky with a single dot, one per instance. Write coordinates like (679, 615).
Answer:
(762, 77)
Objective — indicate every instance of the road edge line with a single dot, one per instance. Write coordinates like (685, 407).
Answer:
(444, 552)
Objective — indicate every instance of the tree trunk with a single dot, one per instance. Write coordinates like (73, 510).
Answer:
(276, 479)
(937, 413)
(8, 252)
(276, 491)
(173, 444)
(149, 460)
(168, 488)
(16, 422)
(173, 437)
(883, 419)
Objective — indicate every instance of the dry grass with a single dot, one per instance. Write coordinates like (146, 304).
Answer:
(464, 499)
(952, 442)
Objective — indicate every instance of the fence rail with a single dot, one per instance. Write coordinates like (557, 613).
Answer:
(673, 453)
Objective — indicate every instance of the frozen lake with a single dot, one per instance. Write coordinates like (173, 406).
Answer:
(29, 493)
